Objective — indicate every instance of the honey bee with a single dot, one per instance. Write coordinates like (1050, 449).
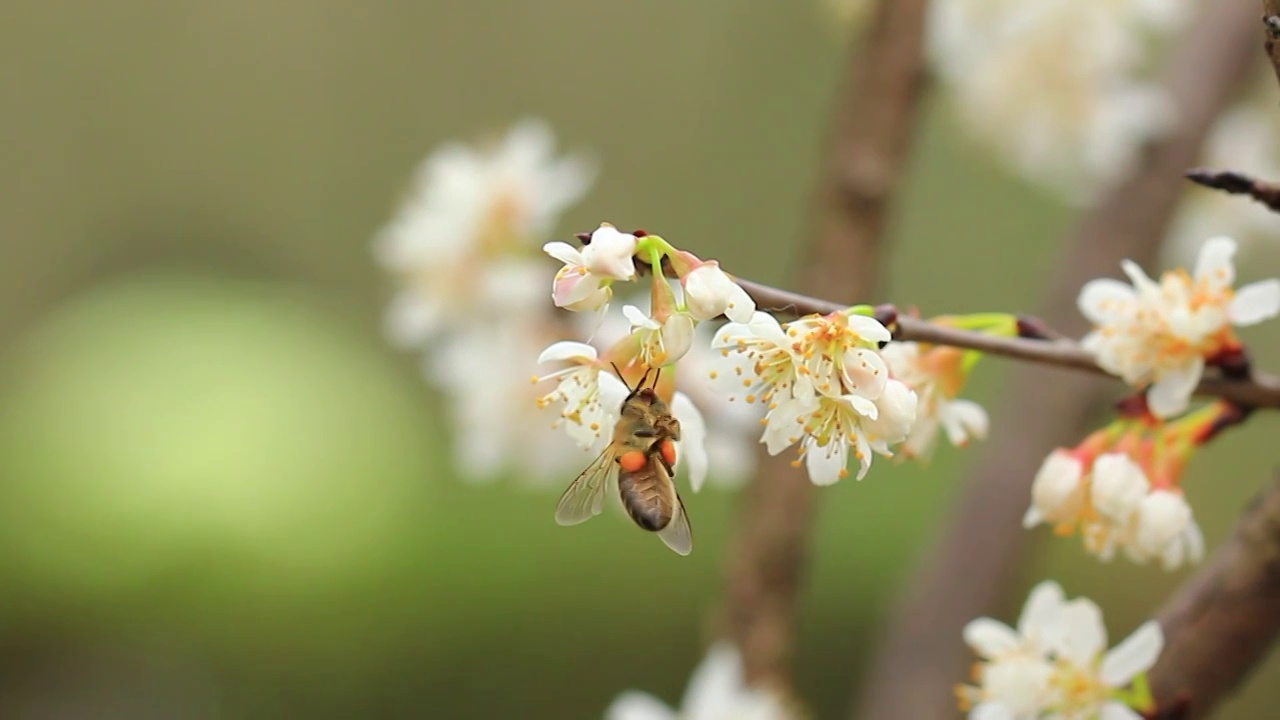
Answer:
(642, 454)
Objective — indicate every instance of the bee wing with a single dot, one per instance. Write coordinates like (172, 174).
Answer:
(677, 534)
(584, 498)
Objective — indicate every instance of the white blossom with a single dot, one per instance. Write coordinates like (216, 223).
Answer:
(827, 390)
(1116, 508)
(584, 282)
(660, 342)
(1161, 334)
(1055, 85)
(459, 241)
(935, 376)
(1055, 664)
(710, 292)
(717, 691)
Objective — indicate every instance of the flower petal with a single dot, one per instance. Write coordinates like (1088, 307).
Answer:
(827, 465)
(567, 350)
(1171, 393)
(1080, 633)
(564, 252)
(987, 711)
(1255, 302)
(1041, 609)
(715, 683)
(693, 432)
(1103, 301)
(1113, 710)
(991, 638)
(635, 705)
(1214, 261)
(1135, 655)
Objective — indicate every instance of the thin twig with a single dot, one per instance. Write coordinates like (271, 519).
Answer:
(970, 570)
(874, 120)
(1260, 390)
(1237, 183)
(1223, 620)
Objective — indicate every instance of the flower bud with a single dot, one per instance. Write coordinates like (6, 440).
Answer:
(709, 292)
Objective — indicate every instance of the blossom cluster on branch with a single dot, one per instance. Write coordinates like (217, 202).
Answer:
(836, 388)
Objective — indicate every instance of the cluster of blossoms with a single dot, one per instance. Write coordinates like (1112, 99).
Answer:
(1161, 335)
(717, 691)
(1056, 664)
(822, 383)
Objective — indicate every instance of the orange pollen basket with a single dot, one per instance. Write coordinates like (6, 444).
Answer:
(668, 450)
(632, 461)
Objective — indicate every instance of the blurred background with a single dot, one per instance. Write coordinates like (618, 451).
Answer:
(224, 494)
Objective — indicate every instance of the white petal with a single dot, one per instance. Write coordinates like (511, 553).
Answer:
(991, 638)
(1255, 302)
(567, 350)
(639, 319)
(782, 429)
(741, 307)
(1032, 517)
(412, 319)
(677, 336)
(826, 465)
(965, 419)
(1042, 608)
(610, 253)
(714, 684)
(1103, 300)
(1214, 261)
(633, 705)
(693, 438)
(612, 392)
(1084, 636)
(1134, 656)
(988, 711)
(1171, 393)
(1119, 486)
(871, 329)
(564, 252)
(1113, 710)
(1141, 282)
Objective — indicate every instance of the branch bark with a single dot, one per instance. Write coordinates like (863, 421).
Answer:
(873, 125)
(1222, 621)
(1260, 390)
(970, 570)
(1238, 183)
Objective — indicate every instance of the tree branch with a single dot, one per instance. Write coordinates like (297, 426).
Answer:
(1224, 619)
(1260, 390)
(974, 560)
(871, 133)
(1237, 183)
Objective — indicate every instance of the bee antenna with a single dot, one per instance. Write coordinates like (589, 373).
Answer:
(619, 373)
(656, 374)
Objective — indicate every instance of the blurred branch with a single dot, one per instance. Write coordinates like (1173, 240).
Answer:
(971, 568)
(1271, 30)
(1236, 183)
(1223, 620)
(1259, 390)
(871, 133)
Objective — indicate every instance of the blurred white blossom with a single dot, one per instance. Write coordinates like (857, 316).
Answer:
(1055, 87)
(1055, 664)
(464, 250)
(717, 691)
(1115, 507)
(936, 374)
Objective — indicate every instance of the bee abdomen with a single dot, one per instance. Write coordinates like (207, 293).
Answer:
(645, 503)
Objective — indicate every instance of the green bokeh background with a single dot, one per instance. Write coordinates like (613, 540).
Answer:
(223, 495)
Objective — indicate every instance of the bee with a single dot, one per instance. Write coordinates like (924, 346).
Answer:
(642, 454)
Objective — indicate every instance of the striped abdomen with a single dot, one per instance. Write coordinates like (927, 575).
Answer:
(648, 495)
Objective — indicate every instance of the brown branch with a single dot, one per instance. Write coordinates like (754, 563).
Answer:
(970, 570)
(1224, 619)
(1258, 390)
(1237, 183)
(873, 125)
